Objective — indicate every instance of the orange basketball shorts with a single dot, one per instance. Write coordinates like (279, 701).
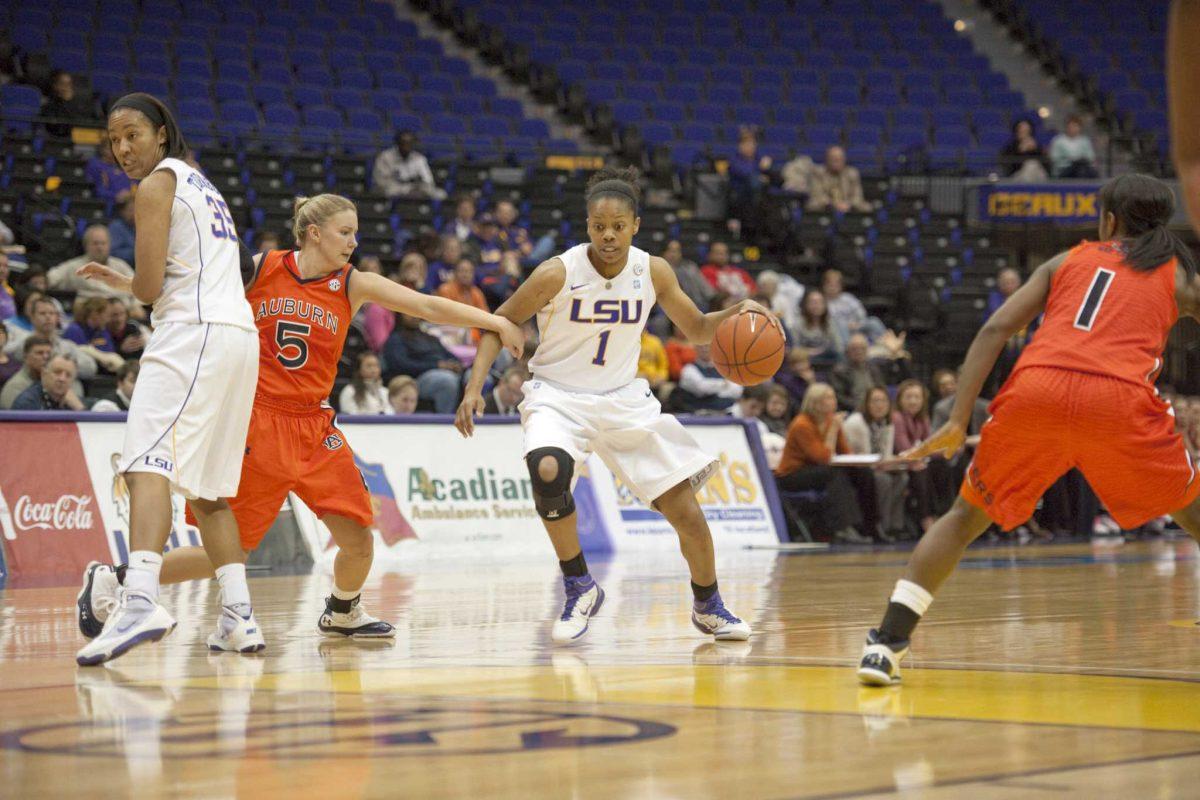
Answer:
(301, 452)
(1120, 435)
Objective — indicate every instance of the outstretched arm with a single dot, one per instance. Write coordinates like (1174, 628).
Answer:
(697, 326)
(1017, 312)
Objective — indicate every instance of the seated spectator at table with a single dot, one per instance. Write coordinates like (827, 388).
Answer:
(1008, 280)
(46, 323)
(852, 378)
(119, 398)
(693, 283)
(129, 338)
(783, 294)
(90, 325)
(871, 431)
(121, 233)
(702, 389)
(725, 277)
(487, 243)
(109, 181)
(836, 186)
(652, 362)
(36, 350)
(403, 394)
(64, 107)
(266, 241)
(1023, 158)
(680, 353)
(442, 270)
(817, 332)
(1071, 152)
(947, 475)
(401, 171)
(911, 420)
(9, 365)
(501, 284)
(462, 226)
(53, 391)
(777, 410)
(413, 352)
(797, 175)
(365, 393)
(813, 438)
(796, 374)
(96, 247)
(848, 312)
(507, 394)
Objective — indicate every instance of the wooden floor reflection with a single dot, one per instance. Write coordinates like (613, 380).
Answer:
(1053, 671)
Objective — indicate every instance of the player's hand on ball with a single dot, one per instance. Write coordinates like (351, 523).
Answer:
(512, 337)
(945, 441)
(94, 271)
(470, 408)
(758, 308)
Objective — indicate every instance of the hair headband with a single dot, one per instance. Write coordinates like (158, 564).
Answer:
(617, 187)
(139, 104)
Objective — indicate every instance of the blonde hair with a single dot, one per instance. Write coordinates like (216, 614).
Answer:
(398, 383)
(86, 306)
(813, 396)
(316, 211)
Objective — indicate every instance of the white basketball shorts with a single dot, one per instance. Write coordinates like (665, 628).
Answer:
(191, 407)
(649, 451)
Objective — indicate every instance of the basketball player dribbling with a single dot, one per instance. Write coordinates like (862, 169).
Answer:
(1081, 396)
(303, 302)
(592, 303)
(187, 422)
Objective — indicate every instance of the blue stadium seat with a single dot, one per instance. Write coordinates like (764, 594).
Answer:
(323, 117)
(424, 103)
(447, 124)
(437, 83)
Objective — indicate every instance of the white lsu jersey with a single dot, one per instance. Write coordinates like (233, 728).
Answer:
(203, 281)
(591, 331)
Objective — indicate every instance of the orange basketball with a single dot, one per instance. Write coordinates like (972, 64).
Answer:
(748, 348)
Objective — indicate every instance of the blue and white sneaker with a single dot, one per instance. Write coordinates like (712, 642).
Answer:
(584, 598)
(98, 598)
(880, 665)
(136, 620)
(356, 623)
(713, 618)
(237, 631)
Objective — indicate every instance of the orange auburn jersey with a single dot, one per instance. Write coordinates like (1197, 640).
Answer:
(302, 326)
(1105, 317)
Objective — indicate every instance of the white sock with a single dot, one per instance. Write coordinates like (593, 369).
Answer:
(234, 588)
(342, 594)
(142, 575)
(910, 594)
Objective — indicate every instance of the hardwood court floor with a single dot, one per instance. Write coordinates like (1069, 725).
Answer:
(1060, 671)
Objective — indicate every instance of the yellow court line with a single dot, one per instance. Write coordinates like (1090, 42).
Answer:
(1017, 697)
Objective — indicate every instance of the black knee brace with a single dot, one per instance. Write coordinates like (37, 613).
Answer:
(552, 499)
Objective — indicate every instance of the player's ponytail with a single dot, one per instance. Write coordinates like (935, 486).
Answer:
(1143, 207)
(619, 184)
(316, 210)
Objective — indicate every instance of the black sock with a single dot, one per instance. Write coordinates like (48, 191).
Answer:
(703, 593)
(342, 606)
(120, 570)
(898, 623)
(574, 567)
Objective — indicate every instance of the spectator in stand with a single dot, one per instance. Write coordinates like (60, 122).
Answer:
(848, 312)
(1008, 280)
(119, 398)
(21, 323)
(1023, 159)
(36, 351)
(413, 272)
(462, 226)
(702, 390)
(46, 323)
(9, 365)
(855, 376)
(500, 285)
(8, 296)
(96, 247)
(120, 232)
(370, 264)
(817, 332)
(64, 107)
(782, 294)
(680, 353)
(725, 277)
(813, 438)
(109, 181)
(777, 410)
(53, 392)
(90, 325)
(797, 175)
(487, 242)
(693, 283)
(871, 431)
(836, 186)
(6, 234)
(796, 374)
(911, 420)
(403, 394)
(128, 337)
(751, 405)
(509, 232)
(652, 362)
(947, 475)
(266, 241)
(378, 322)
(410, 351)
(441, 271)
(507, 394)
(749, 176)
(401, 171)
(1071, 152)
(461, 287)
(365, 393)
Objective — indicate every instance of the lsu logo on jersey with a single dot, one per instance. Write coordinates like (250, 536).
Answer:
(607, 312)
(333, 441)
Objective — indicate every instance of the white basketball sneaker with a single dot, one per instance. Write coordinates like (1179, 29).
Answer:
(356, 623)
(237, 631)
(136, 620)
(584, 598)
(98, 598)
(713, 618)
(880, 665)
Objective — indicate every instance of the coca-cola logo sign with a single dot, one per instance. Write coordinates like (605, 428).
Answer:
(70, 512)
